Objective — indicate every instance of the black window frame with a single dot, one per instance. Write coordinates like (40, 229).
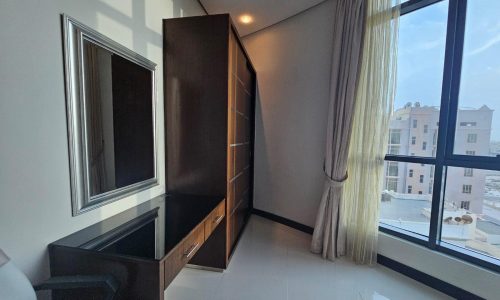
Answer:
(445, 156)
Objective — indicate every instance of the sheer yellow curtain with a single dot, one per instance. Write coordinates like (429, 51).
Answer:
(368, 144)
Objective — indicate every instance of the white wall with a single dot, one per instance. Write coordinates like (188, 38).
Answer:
(34, 171)
(292, 60)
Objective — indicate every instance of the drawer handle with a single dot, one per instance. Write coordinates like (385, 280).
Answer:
(191, 250)
(216, 221)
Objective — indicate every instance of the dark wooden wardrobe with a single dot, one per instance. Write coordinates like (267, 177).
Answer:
(209, 118)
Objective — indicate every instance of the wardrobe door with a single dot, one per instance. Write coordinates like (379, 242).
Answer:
(240, 142)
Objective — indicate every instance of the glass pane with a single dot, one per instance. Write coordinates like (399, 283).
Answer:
(478, 126)
(422, 39)
(406, 196)
(119, 121)
(471, 215)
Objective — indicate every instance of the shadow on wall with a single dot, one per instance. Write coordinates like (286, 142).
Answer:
(261, 155)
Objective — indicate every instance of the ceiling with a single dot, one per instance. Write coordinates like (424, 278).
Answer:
(264, 12)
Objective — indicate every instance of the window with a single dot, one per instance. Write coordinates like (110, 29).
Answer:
(479, 214)
(392, 169)
(464, 91)
(424, 145)
(404, 207)
(421, 179)
(465, 204)
(471, 138)
(393, 149)
(392, 184)
(395, 136)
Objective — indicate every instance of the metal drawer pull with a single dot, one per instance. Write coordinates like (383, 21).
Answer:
(218, 219)
(191, 250)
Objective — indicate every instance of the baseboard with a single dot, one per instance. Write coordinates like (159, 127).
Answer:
(433, 282)
(437, 284)
(284, 221)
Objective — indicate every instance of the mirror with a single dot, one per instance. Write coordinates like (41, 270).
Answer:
(111, 118)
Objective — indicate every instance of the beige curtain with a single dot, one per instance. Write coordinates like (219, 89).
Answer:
(349, 22)
(359, 208)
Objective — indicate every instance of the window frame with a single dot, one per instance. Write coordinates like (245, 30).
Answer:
(455, 34)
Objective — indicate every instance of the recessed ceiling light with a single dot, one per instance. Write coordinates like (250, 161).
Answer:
(246, 19)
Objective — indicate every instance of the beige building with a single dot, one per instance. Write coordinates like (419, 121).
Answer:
(414, 131)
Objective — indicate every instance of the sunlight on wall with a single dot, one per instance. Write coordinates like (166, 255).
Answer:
(123, 6)
(119, 32)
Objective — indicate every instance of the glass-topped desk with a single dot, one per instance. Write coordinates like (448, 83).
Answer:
(146, 246)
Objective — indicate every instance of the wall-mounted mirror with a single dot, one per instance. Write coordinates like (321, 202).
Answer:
(111, 98)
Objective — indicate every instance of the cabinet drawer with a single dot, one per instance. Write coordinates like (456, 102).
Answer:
(215, 218)
(181, 255)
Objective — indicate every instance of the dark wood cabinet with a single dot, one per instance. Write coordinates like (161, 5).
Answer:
(209, 115)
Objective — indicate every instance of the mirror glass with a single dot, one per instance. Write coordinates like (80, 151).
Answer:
(111, 118)
(119, 119)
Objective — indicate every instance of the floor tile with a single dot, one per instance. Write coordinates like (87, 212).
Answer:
(273, 261)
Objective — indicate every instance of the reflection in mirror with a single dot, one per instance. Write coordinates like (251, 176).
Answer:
(120, 131)
(111, 118)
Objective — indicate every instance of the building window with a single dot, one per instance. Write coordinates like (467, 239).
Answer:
(471, 138)
(431, 185)
(466, 189)
(421, 178)
(392, 184)
(424, 145)
(409, 189)
(468, 172)
(426, 128)
(468, 124)
(435, 137)
(420, 192)
(414, 123)
(431, 174)
(392, 169)
(410, 173)
(413, 140)
(393, 149)
(470, 152)
(465, 205)
(395, 136)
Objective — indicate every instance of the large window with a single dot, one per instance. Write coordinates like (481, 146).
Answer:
(445, 127)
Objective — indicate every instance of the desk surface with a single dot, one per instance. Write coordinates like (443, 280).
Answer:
(149, 231)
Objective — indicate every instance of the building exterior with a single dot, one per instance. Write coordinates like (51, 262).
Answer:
(413, 131)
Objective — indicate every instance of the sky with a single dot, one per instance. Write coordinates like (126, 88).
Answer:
(422, 37)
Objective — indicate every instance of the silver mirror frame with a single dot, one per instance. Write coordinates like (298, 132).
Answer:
(74, 33)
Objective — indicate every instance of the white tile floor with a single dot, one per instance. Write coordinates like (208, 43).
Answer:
(273, 261)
